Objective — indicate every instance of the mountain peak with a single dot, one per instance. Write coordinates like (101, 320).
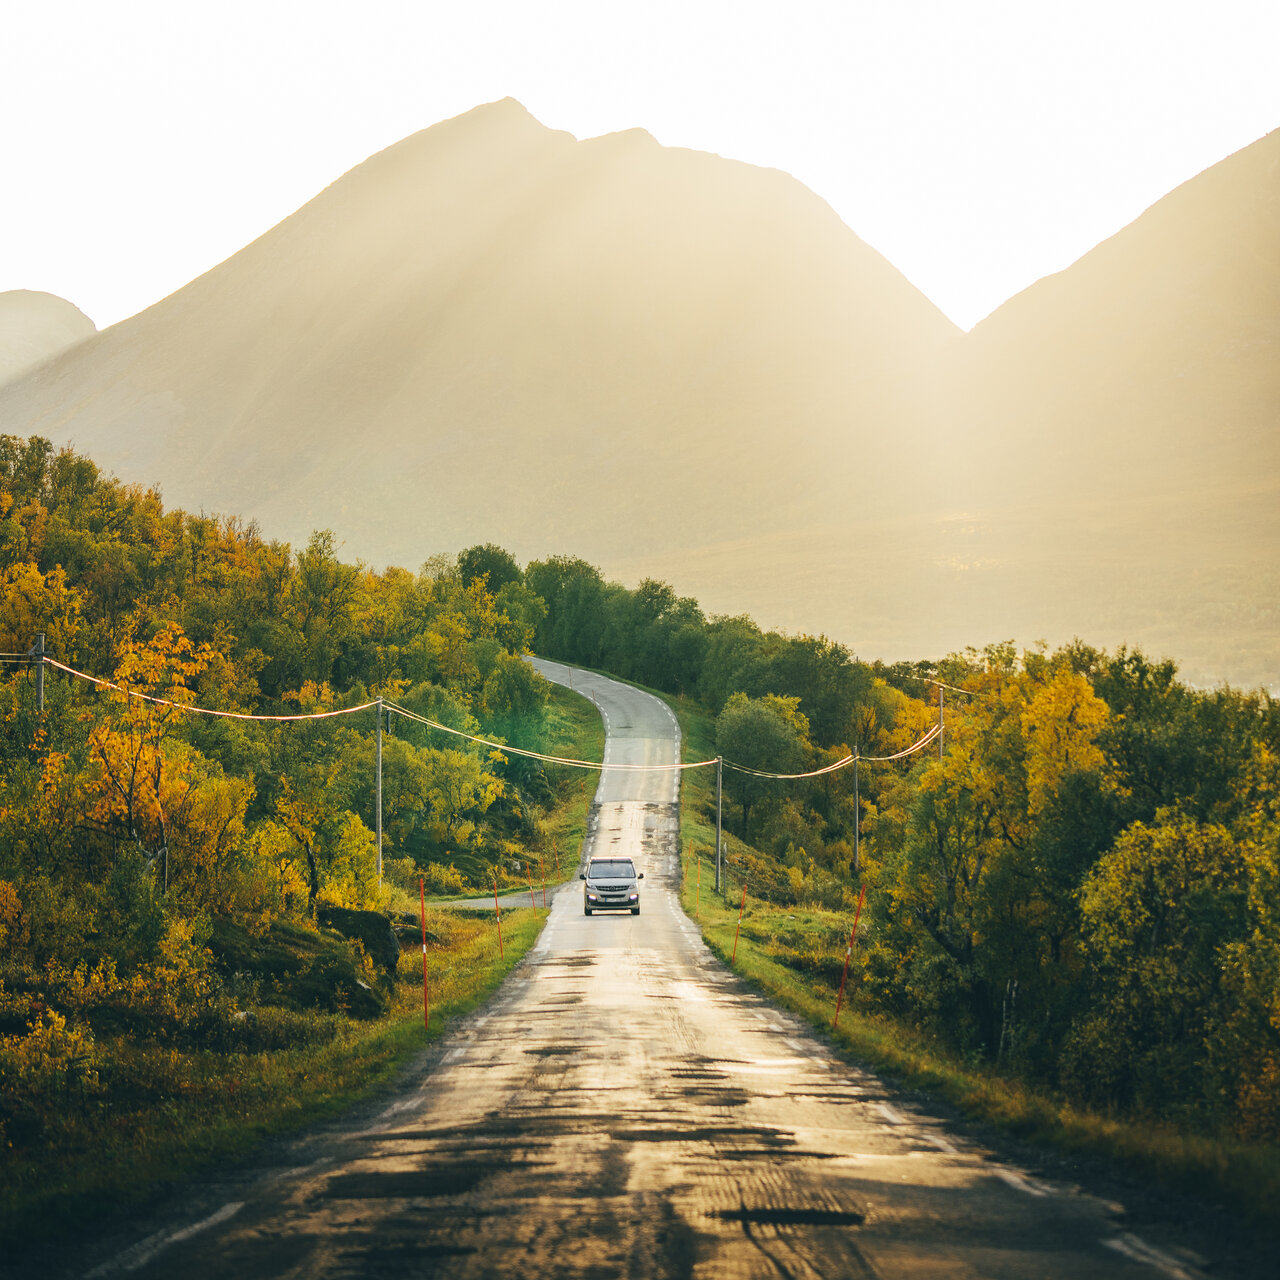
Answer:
(501, 108)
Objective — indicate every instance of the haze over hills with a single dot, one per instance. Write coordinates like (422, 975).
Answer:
(36, 326)
(493, 330)
(680, 366)
(1121, 425)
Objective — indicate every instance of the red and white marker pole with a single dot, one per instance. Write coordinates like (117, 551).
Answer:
(848, 953)
(741, 908)
(426, 1000)
(528, 870)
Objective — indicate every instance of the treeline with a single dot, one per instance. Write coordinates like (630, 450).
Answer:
(135, 837)
(1087, 886)
(1084, 884)
(205, 610)
(782, 703)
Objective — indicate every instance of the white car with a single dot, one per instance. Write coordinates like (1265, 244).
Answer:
(611, 885)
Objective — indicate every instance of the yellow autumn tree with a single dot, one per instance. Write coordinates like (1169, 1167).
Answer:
(1060, 722)
(32, 602)
(958, 853)
(139, 784)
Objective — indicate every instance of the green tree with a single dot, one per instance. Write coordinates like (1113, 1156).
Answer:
(1159, 914)
(490, 565)
(766, 734)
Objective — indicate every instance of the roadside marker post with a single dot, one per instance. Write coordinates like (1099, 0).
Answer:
(542, 871)
(528, 870)
(497, 911)
(426, 1000)
(697, 897)
(741, 907)
(848, 952)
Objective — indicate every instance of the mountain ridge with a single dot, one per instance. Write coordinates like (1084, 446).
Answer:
(651, 357)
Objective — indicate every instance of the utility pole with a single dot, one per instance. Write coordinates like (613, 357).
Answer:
(939, 724)
(857, 815)
(37, 652)
(378, 799)
(719, 780)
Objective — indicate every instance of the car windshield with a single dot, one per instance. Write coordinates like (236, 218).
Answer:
(612, 869)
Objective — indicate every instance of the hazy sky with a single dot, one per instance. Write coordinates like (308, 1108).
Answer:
(978, 144)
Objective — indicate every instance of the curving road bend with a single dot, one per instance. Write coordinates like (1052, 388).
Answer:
(625, 1107)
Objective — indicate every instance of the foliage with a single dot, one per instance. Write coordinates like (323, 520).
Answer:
(1082, 889)
(767, 735)
(1082, 886)
(135, 832)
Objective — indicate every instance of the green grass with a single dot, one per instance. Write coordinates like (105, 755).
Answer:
(185, 1108)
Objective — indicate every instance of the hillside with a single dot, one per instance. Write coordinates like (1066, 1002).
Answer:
(1117, 429)
(491, 330)
(36, 326)
(1108, 444)
(681, 366)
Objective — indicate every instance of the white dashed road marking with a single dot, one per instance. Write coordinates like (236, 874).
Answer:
(142, 1252)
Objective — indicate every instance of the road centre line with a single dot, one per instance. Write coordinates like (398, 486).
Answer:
(1139, 1250)
(891, 1114)
(1017, 1181)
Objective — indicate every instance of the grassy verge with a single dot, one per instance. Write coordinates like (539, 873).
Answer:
(186, 1107)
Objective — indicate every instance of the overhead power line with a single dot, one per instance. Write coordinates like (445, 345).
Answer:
(839, 764)
(942, 684)
(565, 761)
(205, 711)
(538, 755)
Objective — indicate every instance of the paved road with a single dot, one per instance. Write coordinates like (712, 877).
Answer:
(625, 1107)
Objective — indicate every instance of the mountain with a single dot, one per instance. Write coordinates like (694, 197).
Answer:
(681, 366)
(1152, 361)
(1107, 454)
(494, 331)
(36, 326)
(1116, 431)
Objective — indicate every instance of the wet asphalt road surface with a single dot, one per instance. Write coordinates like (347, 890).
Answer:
(626, 1107)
